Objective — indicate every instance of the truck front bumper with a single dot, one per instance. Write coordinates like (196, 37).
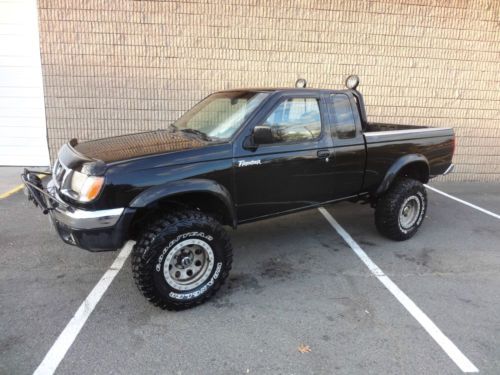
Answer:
(99, 230)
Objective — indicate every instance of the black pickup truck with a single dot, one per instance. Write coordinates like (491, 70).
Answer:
(237, 156)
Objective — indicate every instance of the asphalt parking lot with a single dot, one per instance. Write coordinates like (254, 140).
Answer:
(294, 282)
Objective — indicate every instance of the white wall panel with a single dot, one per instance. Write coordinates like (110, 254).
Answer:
(23, 134)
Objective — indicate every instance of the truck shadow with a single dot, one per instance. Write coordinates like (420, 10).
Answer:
(281, 250)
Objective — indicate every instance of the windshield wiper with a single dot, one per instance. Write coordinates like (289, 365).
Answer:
(198, 133)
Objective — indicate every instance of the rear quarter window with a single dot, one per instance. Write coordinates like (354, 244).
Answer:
(344, 126)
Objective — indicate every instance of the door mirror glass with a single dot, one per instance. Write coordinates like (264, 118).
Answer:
(262, 135)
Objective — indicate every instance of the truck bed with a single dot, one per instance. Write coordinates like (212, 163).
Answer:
(386, 143)
(378, 127)
(378, 132)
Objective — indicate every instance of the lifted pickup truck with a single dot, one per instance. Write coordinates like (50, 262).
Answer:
(237, 156)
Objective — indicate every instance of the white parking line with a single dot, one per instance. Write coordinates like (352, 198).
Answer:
(464, 202)
(444, 342)
(57, 352)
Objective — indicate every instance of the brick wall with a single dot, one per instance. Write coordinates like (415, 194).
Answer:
(113, 67)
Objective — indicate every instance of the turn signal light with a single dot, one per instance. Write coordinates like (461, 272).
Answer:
(91, 188)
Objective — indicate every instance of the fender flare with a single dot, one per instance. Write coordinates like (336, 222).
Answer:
(396, 167)
(195, 185)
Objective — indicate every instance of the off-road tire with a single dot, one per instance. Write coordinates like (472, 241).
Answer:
(388, 211)
(158, 239)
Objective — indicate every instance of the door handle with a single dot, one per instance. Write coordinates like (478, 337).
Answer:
(323, 154)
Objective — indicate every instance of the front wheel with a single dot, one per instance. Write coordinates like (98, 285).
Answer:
(400, 212)
(181, 260)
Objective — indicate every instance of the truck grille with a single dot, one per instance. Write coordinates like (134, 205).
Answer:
(61, 174)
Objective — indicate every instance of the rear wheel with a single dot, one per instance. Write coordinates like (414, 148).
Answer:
(401, 211)
(181, 260)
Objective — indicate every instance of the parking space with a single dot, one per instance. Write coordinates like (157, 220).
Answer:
(486, 196)
(450, 269)
(42, 280)
(294, 282)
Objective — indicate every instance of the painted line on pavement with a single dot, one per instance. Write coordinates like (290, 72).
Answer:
(11, 191)
(464, 202)
(17, 188)
(444, 342)
(61, 346)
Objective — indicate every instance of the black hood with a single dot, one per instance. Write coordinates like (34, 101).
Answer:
(135, 145)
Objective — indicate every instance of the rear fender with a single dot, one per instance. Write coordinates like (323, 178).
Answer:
(398, 166)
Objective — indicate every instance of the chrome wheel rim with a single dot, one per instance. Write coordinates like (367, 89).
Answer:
(188, 264)
(409, 212)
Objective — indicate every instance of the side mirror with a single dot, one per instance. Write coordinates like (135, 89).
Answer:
(262, 134)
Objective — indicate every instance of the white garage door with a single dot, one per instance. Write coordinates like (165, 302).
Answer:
(23, 138)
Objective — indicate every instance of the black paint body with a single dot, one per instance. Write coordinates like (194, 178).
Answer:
(144, 168)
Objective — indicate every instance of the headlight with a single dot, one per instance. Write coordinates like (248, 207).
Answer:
(87, 188)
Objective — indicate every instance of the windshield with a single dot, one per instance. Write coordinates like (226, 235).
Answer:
(220, 115)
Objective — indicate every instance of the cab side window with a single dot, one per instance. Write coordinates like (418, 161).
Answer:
(344, 126)
(295, 120)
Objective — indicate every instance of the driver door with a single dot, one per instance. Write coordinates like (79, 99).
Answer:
(294, 170)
